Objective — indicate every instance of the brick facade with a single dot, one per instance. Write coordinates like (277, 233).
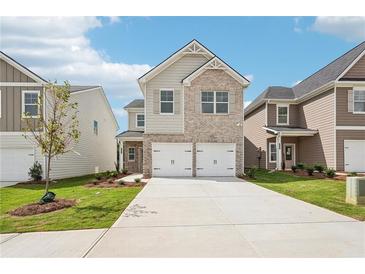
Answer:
(205, 128)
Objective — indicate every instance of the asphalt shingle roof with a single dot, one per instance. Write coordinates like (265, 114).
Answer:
(130, 133)
(137, 103)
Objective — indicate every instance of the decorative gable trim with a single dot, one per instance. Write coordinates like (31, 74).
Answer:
(193, 47)
(215, 63)
(22, 68)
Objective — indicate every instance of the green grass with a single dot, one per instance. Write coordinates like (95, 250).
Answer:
(96, 207)
(325, 193)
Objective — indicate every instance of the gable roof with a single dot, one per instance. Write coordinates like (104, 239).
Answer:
(82, 88)
(22, 68)
(326, 75)
(193, 47)
(215, 63)
(137, 103)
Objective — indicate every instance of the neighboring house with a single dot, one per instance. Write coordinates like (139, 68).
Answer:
(190, 122)
(19, 91)
(320, 120)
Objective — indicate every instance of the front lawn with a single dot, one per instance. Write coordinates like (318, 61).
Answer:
(96, 207)
(325, 193)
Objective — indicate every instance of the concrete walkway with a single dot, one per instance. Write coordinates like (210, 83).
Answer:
(210, 217)
(227, 217)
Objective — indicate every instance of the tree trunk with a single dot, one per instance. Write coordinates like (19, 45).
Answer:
(47, 173)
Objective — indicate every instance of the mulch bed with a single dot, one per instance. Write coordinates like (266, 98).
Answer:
(316, 175)
(109, 184)
(36, 208)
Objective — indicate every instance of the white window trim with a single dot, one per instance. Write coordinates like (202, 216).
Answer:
(353, 101)
(214, 103)
(173, 101)
(270, 151)
(129, 160)
(277, 114)
(23, 105)
(144, 118)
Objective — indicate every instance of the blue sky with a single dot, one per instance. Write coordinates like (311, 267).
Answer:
(114, 51)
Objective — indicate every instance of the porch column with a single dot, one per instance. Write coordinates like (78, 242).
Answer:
(278, 152)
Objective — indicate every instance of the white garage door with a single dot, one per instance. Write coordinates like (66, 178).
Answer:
(172, 159)
(15, 163)
(354, 155)
(215, 159)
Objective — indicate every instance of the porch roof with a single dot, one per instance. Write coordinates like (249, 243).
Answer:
(130, 135)
(291, 131)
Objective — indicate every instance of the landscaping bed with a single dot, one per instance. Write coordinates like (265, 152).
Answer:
(316, 175)
(114, 183)
(37, 208)
(327, 193)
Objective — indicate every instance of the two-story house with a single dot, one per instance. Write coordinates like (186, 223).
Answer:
(190, 122)
(320, 120)
(20, 91)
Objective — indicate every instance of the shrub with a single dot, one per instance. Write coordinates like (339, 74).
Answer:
(121, 182)
(319, 168)
(124, 171)
(309, 169)
(98, 176)
(330, 173)
(137, 180)
(300, 166)
(35, 171)
(294, 168)
(251, 172)
(114, 174)
(352, 174)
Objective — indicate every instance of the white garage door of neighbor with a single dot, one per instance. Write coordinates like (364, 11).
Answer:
(15, 163)
(215, 159)
(172, 159)
(354, 155)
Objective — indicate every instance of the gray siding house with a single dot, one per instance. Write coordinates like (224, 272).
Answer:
(190, 122)
(320, 120)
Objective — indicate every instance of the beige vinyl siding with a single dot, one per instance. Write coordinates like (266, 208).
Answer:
(132, 120)
(11, 108)
(255, 137)
(169, 78)
(293, 115)
(10, 74)
(342, 135)
(95, 150)
(343, 116)
(358, 70)
(318, 113)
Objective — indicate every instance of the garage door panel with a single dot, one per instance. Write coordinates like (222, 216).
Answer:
(15, 163)
(171, 159)
(354, 152)
(216, 159)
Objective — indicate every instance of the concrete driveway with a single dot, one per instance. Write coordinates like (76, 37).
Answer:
(226, 217)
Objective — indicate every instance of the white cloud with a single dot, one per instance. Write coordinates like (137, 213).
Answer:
(296, 25)
(350, 28)
(57, 48)
(114, 19)
(119, 112)
(246, 103)
(249, 77)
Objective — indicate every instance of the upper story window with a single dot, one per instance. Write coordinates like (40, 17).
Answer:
(30, 103)
(214, 101)
(282, 114)
(140, 120)
(96, 127)
(166, 102)
(359, 101)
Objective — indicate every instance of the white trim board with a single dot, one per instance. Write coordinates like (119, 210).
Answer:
(20, 84)
(350, 127)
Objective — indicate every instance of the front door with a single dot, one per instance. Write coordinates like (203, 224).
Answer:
(289, 155)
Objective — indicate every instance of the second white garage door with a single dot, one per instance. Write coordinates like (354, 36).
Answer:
(354, 155)
(172, 159)
(215, 159)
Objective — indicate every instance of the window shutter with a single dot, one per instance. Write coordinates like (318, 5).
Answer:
(197, 102)
(177, 101)
(156, 101)
(350, 101)
(232, 101)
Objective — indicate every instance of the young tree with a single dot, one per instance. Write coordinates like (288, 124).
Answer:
(56, 132)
